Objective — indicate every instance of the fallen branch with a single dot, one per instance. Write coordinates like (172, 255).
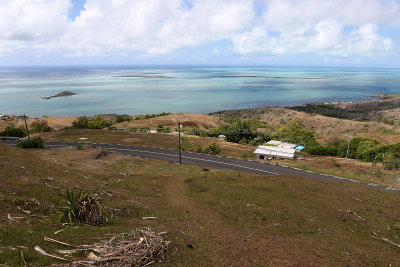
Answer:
(44, 253)
(138, 248)
(149, 218)
(57, 242)
(386, 240)
(355, 214)
(23, 260)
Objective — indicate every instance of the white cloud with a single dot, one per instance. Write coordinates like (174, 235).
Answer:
(162, 26)
(324, 38)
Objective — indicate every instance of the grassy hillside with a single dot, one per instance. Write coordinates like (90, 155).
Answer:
(353, 169)
(214, 217)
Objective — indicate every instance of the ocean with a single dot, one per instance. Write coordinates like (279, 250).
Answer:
(155, 89)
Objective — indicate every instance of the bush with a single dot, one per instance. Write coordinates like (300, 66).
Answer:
(36, 142)
(316, 150)
(91, 123)
(243, 131)
(196, 131)
(14, 132)
(149, 116)
(79, 146)
(98, 123)
(212, 149)
(122, 118)
(40, 127)
(293, 132)
(82, 207)
(144, 130)
(162, 129)
(81, 123)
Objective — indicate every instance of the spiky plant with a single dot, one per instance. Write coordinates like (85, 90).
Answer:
(69, 212)
(82, 207)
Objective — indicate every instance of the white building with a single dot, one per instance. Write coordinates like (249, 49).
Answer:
(221, 137)
(275, 150)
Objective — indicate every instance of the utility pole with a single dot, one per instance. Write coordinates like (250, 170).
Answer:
(26, 126)
(348, 145)
(180, 147)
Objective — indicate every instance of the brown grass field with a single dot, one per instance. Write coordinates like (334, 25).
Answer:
(213, 218)
(353, 169)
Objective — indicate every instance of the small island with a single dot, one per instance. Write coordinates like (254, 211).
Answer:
(65, 93)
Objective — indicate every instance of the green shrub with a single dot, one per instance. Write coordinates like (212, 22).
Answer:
(98, 123)
(144, 130)
(185, 145)
(82, 207)
(390, 162)
(196, 131)
(316, 150)
(81, 123)
(13, 132)
(91, 123)
(40, 127)
(212, 149)
(293, 132)
(79, 146)
(162, 129)
(36, 142)
(240, 131)
(122, 118)
(149, 116)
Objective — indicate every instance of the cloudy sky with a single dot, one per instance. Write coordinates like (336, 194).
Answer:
(212, 32)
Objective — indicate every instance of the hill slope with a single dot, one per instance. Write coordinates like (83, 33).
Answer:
(214, 217)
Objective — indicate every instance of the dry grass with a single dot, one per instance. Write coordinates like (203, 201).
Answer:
(213, 218)
(56, 123)
(188, 120)
(320, 124)
(353, 169)
(169, 141)
(349, 168)
(138, 248)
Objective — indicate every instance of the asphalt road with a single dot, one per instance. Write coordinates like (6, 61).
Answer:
(212, 162)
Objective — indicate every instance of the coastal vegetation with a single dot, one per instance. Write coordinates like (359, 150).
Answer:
(35, 142)
(162, 129)
(212, 149)
(149, 116)
(364, 149)
(90, 123)
(13, 131)
(40, 126)
(359, 111)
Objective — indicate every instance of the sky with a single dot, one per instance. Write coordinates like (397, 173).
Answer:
(360, 33)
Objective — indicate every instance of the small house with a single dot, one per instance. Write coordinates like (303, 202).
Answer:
(275, 150)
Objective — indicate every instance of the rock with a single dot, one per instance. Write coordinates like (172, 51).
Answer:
(65, 93)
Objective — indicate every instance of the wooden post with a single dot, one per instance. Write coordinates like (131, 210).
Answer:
(26, 126)
(180, 148)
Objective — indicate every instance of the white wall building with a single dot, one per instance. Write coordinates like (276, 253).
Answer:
(275, 150)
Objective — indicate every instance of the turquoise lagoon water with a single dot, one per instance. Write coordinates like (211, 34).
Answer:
(141, 90)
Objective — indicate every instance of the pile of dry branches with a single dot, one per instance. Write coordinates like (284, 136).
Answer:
(138, 248)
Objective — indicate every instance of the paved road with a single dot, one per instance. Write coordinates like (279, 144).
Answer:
(212, 161)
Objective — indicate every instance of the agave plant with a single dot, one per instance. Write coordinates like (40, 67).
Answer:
(82, 207)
